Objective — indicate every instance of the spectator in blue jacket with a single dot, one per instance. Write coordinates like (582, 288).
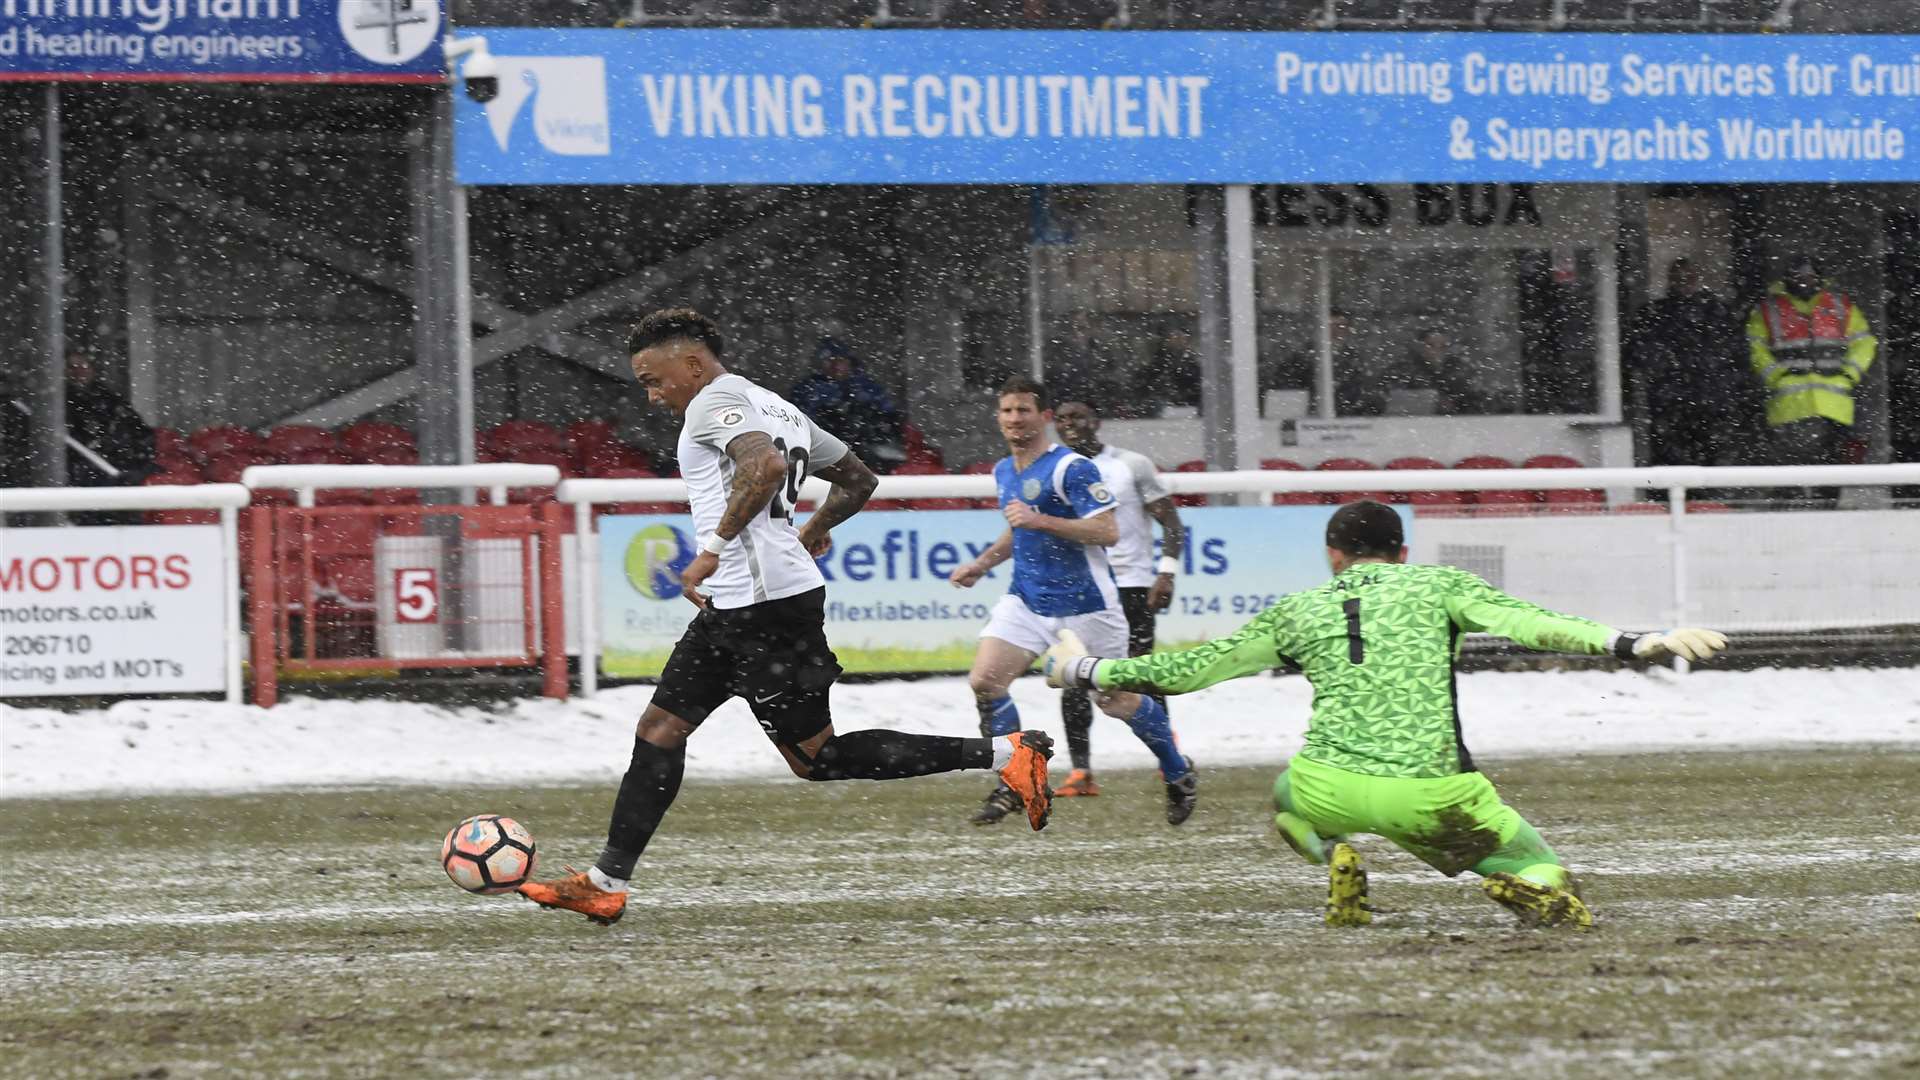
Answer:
(841, 397)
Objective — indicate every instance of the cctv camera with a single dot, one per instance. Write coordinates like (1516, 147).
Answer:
(481, 73)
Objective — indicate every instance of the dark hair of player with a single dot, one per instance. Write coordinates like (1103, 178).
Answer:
(1366, 529)
(675, 324)
(1027, 384)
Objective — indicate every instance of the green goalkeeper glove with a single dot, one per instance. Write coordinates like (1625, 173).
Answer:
(1067, 665)
(1689, 643)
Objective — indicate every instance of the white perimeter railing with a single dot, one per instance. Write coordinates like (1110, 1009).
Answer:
(304, 480)
(584, 494)
(226, 498)
(1676, 481)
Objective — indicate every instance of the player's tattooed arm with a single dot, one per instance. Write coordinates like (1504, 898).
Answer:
(759, 468)
(853, 485)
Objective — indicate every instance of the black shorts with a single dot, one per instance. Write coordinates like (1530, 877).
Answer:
(774, 654)
(1139, 613)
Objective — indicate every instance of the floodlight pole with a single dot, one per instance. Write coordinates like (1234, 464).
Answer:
(47, 395)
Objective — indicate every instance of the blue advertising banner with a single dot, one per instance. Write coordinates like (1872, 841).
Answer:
(220, 40)
(1061, 107)
(890, 607)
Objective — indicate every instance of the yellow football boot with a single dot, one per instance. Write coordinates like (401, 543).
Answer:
(1536, 904)
(1347, 903)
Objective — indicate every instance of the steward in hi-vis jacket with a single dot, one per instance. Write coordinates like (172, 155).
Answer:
(1810, 348)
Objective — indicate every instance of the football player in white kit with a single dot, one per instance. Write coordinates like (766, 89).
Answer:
(758, 632)
(1146, 584)
(1059, 524)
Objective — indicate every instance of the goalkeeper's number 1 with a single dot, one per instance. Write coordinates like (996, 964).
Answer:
(1356, 647)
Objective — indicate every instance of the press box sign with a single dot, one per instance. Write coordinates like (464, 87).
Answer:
(221, 40)
(119, 610)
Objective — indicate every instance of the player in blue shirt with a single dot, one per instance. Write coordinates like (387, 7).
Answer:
(1060, 523)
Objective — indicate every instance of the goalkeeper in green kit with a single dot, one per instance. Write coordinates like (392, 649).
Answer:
(1384, 752)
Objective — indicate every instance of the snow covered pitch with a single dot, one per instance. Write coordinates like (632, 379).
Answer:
(1756, 906)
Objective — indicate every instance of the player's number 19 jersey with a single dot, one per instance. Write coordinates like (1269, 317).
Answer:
(1378, 644)
(766, 561)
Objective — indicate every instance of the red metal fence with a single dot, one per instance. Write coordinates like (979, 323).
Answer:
(355, 588)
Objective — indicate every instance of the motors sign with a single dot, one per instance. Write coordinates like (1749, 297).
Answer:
(221, 40)
(1065, 107)
(137, 609)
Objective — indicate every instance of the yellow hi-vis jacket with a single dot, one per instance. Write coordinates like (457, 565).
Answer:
(1810, 354)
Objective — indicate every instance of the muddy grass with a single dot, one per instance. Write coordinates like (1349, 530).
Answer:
(1757, 918)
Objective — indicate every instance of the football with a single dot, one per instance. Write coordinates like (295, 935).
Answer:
(488, 853)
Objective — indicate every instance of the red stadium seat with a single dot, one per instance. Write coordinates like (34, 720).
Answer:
(1195, 466)
(537, 495)
(1575, 500)
(1351, 464)
(1508, 498)
(1566, 500)
(1552, 461)
(228, 468)
(392, 454)
(285, 442)
(367, 437)
(1708, 508)
(1641, 508)
(1426, 498)
(982, 468)
(176, 475)
(515, 438)
(223, 439)
(1512, 500)
(316, 455)
(584, 433)
(168, 443)
(603, 458)
(1291, 498)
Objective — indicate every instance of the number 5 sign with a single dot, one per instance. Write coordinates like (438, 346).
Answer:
(416, 595)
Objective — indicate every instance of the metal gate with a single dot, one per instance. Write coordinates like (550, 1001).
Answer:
(366, 589)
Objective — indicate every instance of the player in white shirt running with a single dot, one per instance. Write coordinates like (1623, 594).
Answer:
(758, 633)
(1146, 583)
(1059, 524)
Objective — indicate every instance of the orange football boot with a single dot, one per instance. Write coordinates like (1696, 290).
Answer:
(1026, 774)
(1079, 782)
(577, 892)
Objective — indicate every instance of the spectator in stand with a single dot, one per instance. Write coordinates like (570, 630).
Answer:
(1432, 380)
(1683, 359)
(1351, 372)
(1081, 363)
(101, 420)
(1172, 377)
(841, 397)
(1809, 347)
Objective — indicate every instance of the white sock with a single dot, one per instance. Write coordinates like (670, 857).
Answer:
(605, 883)
(1002, 752)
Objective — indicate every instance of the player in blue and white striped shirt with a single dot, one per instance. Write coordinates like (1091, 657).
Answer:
(1060, 523)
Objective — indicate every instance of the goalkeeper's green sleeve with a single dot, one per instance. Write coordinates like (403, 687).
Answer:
(1478, 607)
(1249, 650)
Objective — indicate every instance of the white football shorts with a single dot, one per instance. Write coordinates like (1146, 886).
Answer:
(1103, 632)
